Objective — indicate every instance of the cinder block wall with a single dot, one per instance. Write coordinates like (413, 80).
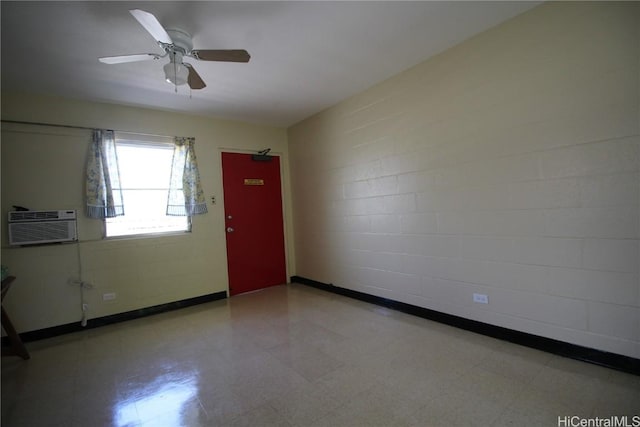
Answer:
(506, 166)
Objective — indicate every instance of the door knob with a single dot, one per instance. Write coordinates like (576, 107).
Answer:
(229, 229)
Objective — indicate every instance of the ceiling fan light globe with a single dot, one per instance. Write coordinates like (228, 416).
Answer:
(176, 74)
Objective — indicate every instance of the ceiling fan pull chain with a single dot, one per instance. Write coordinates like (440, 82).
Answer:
(175, 73)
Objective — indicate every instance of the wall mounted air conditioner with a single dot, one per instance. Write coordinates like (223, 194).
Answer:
(38, 227)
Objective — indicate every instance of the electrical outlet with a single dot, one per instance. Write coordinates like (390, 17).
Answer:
(109, 297)
(481, 298)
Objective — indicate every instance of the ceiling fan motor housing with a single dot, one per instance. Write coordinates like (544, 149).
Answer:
(182, 42)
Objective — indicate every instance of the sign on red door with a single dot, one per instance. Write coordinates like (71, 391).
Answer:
(253, 222)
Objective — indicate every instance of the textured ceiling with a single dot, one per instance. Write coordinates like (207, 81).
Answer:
(305, 56)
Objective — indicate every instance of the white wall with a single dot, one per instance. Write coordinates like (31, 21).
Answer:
(43, 168)
(508, 166)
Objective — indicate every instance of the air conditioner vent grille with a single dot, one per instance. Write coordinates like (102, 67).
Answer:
(40, 215)
(57, 231)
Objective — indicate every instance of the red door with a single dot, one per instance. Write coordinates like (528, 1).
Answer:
(253, 222)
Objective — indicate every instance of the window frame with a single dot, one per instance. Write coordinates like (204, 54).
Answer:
(144, 141)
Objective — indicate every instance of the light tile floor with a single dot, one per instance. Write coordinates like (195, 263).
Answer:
(296, 356)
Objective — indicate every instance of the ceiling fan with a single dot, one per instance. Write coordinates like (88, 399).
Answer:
(176, 44)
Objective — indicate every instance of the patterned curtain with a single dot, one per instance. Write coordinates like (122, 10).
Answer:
(103, 191)
(186, 197)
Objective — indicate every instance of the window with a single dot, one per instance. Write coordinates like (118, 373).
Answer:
(145, 171)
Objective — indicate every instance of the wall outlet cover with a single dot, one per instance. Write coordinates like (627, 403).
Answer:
(481, 298)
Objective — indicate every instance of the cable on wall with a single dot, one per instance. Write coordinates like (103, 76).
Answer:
(83, 285)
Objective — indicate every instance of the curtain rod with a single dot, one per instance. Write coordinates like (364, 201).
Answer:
(20, 122)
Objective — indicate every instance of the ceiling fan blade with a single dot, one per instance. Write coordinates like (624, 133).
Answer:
(151, 24)
(231, 55)
(194, 80)
(128, 58)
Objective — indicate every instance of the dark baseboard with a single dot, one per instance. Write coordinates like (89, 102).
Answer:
(561, 348)
(115, 318)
